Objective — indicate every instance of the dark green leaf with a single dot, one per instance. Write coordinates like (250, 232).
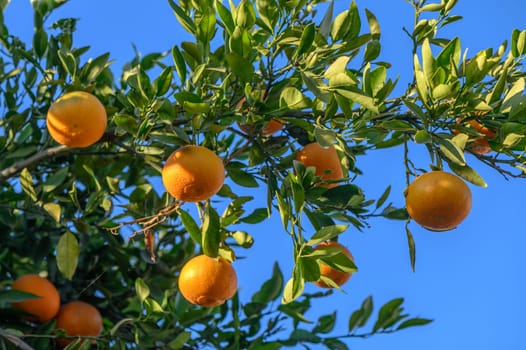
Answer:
(271, 289)
(412, 248)
(190, 225)
(327, 233)
(412, 322)
(211, 231)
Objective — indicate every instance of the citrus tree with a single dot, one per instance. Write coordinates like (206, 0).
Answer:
(268, 93)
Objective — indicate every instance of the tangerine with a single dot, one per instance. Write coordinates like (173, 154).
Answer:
(269, 128)
(438, 200)
(339, 277)
(77, 119)
(44, 308)
(78, 318)
(193, 173)
(324, 159)
(480, 145)
(207, 281)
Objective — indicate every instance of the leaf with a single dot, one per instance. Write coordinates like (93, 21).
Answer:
(257, 216)
(180, 64)
(240, 66)
(428, 62)
(242, 178)
(412, 248)
(26, 181)
(468, 174)
(360, 317)
(412, 322)
(358, 97)
(310, 269)
(325, 323)
(164, 81)
(327, 233)
(271, 289)
(67, 254)
(388, 313)
(186, 22)
(292, 99)
(243, 239)
(422, 137)
(374, 25)
(211, 231)
(141, 289)
(383, 197)
(306, 40)
(40, 42)
(55, 179)
(294, 287)
(326, 22)
(226, 16)
(54, 210)
(452, 152)
(190, 225)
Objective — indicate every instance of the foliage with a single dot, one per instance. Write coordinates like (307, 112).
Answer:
(321, 76)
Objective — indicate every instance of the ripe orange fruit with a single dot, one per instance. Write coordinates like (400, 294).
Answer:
(438, 200)
(339, 277)
(78, 318)
(207, 281)
(43, 309)
(481, 145)
(193, 173)
(77, 119)
(325, 160)
(268, 129)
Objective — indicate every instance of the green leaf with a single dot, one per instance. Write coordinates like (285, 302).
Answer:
(325, 324)
(310, 269)
(292, 99)
(388, 313)
(67, 254)
(243, 239)
(428, 62)
(412, 322)
(40, 42)
(69, 62)
(271, 289)
(372, 50)
(452, 152)
(141, 289)
(357, 96)
(242, 178)
(374, 25)
(180, 341)
(211, 231)
(412, 248)
(423, 137)
(360, 317)
(163, 82)
(327, 233)
(383, 197)
(326, 22)
(180, 64)
(468, 174)
(190, 225)
(206, 27)
(257, 216)
(226, 16)
(186, 22)
(26, 181)
(55, 180)
(307, 38)
(294, 286)
(240, 66)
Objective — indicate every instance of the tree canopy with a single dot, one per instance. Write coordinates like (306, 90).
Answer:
(63, 210)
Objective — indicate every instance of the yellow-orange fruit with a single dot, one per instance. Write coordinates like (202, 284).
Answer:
(78, 318)
(207, 281)
(438, 200)
(339, 277)
(193, 173)
(481, 145)
(44, 308)
(77, 119)
(324, 159)
(269, 128)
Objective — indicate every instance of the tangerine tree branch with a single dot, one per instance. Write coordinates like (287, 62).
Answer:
(14, 169)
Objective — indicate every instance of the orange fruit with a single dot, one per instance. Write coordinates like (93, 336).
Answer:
(438, 200)
(481, 145)
(268, 128)
(339, 277)
(77, 119)
(78, 318)
(193, 173)
(324, 159)
(207, 281)
(43, 309)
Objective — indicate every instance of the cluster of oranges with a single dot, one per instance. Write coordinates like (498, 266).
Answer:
(76, 318)
(436, 200)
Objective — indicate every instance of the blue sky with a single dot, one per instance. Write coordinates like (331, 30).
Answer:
(469, 280)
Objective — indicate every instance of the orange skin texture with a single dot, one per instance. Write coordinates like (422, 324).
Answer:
(77, 119)
(78, 318)
(479, 146)
(193, 173)
(207, 281)
(269, 128)
(339, 277)
(43, 309)
(325, 160)
(438, 200)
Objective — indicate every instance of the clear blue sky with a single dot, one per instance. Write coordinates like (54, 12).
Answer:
(470, 280)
